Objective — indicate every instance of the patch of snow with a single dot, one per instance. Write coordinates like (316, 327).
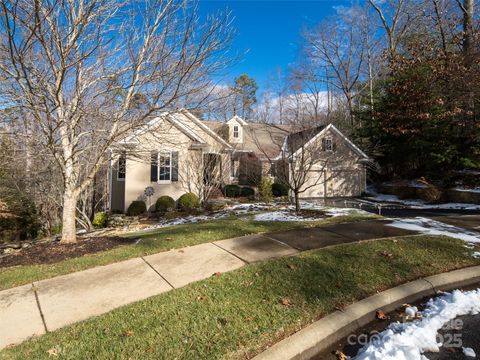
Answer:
(333, 212)
(432, 227)
(385, 199)
(476, 254)
(411, 311)
(411, 339)
(281, 216)
(471, 190)
(469, 352)
(417, 184)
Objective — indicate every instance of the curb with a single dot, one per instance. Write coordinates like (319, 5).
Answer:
(315, 338)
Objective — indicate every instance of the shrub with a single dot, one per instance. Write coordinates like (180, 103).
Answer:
(188, 201)
(265, 190)
(279, 189)
(100, 220)
(137, 207)
(164, 203)
(247, 191)
(232, 190)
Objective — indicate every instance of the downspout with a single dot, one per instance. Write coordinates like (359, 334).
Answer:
(109, 185)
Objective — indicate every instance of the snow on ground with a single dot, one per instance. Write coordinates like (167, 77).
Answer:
(472, 190)
(281, 216)
(476, 254)
(469, 352)
(409, 340)
(432, 227)
(333, 212)
(385, 199)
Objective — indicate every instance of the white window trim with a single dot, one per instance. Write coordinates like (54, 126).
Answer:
(164, 153)
(233, 170)
(237, 131)
(329, 140)
(118, 167)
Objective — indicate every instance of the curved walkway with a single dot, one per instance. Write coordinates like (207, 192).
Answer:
(50, 304)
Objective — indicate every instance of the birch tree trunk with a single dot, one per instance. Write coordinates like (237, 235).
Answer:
(69, 230)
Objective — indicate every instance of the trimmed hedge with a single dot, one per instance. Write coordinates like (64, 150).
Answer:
(279, 189)
(137, 207)
(100, 219)
(164, 203)
(232, 190)
(247, 191)
(188, 201)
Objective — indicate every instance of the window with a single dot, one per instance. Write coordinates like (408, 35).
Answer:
(235, 131)
(328, 144)
(164, 167)
(233, 168)
(121, 167)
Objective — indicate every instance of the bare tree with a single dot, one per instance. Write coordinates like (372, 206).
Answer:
(396, 17)
(339, 47)
(89, 72)
(204, 174)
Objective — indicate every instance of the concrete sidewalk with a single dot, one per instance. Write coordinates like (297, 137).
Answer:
(50, 304)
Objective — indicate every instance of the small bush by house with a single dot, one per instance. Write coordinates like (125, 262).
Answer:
(100, 220)
(164, 203)
(188, 201)
(247, 192)
(265, 190)
(232, 190)
(136, 208)
(279, 189)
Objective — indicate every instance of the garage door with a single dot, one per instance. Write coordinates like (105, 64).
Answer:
(344, 183)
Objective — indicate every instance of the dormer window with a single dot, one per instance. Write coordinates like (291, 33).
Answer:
(328, 144)
(235, 132)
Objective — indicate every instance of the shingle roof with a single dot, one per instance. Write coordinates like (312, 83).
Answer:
(265, 140)
(296, 140)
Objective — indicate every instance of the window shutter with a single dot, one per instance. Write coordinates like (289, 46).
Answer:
(334, 145)
(154, 166)
(324, 146)
(174, 165)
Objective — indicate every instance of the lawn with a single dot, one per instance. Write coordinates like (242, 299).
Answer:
(160, 240)
(237, 314)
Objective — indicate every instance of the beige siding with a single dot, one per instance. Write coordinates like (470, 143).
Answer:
(341, 176)
(189, 160)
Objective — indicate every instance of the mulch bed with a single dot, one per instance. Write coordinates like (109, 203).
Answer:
(50, 252)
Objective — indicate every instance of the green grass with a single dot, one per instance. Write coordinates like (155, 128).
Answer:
(237, 314)
(155, 241)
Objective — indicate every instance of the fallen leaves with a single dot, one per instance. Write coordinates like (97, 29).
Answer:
(53, 351)
(340, 355)
(286, 302)
(380, 315)
(386, 254)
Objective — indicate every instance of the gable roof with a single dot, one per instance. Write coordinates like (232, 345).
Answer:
(332, 127)
(175, 119)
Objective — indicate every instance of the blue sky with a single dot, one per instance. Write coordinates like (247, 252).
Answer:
(270, 30)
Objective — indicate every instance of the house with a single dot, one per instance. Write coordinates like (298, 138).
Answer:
(176, 153)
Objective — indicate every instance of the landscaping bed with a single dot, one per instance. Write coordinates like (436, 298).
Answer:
(51, 251)
(238, 314)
